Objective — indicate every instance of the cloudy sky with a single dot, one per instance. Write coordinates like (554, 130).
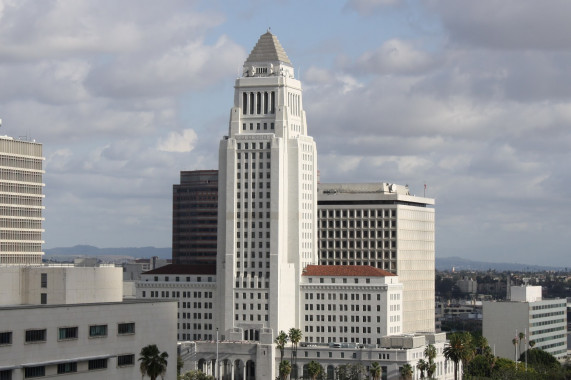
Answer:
(472, 98)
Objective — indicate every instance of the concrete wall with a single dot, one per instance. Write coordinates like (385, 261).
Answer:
(145, 315)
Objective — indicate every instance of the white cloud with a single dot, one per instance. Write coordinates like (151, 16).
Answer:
(179, 142)
(394, 57)
(364, 7)
(506, 24)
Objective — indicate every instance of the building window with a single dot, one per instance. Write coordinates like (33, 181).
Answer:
(97, 364)
(6, 338)
(30, 372)
(44, 280)
(67, 333)
(35, 336)
(97, 331)
(126, 328)
(6, 374)
(125, 360)
(67, 367)
(43, 298)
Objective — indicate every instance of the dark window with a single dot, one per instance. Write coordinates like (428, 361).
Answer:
(97, 364)
(6, 374)
(97, 330)
(126, 328)
(66, 367)
(6, 337)
(36, 335)
(123, 360)
(44, 280)
(43, 298)
(34, 372)
(67, 333)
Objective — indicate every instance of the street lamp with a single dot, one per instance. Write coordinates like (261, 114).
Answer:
(217, 365)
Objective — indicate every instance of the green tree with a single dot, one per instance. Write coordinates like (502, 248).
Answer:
(179, 364)
(376, 371)
(314, 369)
(422, 366)
(406, 372)
(349, 372)
(514, 342)
(294, 336)
(541, 361)
(285, 369)
(281, 341)
(196, 375)
(430, 354)
(153, 362)
(458, 350)
(521, 337)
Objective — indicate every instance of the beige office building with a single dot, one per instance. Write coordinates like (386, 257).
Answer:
(21, 201)
(382, 225)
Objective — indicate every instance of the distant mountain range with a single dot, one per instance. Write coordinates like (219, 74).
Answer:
(442, 263)
(458, 263)
(89, 250)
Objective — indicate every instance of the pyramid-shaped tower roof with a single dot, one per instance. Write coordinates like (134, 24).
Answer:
(268, 49)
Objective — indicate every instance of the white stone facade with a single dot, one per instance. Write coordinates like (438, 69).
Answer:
(267, 194)
(260, 360)
(353, 305)
(383, 225)
(196, 296)
(21, 201)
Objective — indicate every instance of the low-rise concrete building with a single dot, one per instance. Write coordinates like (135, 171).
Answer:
(543, 321)
(73, 321)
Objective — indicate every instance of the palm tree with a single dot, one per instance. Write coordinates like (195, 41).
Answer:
(531, 343)
(514, 342)
(281, 341)
(294, 337)
(422, 366)
(314, 369)
(285, 369)
(153, 362)
(406, 371)
(521, 337)
(430, 354)
(375, 371)
(457, 350)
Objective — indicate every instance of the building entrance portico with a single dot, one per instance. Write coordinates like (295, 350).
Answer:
(237, 360)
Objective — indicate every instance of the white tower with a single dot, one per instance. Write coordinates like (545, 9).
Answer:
(267, 198)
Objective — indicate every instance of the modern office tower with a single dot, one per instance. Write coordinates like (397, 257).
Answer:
(382, 225)
(194, 221)
(21, 198)
(266, 215)
(542, 321)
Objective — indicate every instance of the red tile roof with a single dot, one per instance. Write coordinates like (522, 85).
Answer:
(345, 270)
(184, 269)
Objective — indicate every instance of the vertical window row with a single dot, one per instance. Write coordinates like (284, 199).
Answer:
(258, 103)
